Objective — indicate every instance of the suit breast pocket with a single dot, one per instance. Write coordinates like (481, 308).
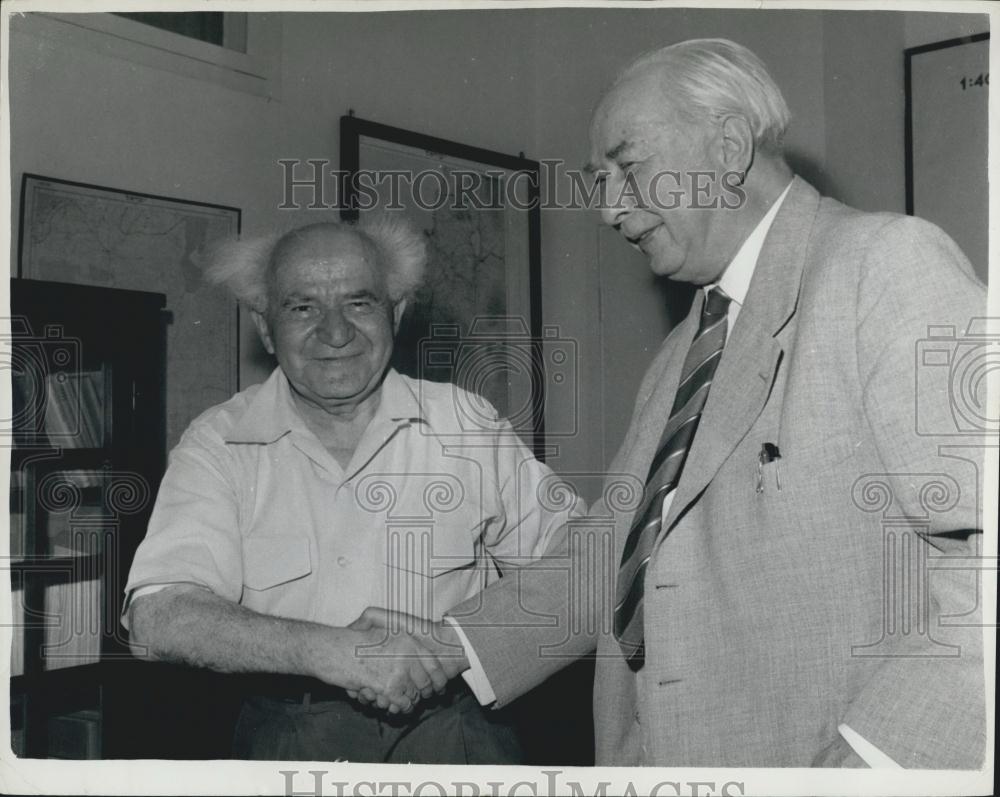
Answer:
(805, 490)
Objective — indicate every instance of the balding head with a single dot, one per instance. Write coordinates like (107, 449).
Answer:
(323, 244)
(389, 242)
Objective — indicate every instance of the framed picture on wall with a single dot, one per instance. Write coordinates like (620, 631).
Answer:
(476, 321)
(94, 235)
(946, 138)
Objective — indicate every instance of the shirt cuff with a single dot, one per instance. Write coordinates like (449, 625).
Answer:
(475, 676)
(868, 752)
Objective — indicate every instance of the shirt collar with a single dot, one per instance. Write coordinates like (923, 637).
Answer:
(271, 412)
(735, 280)
(399, 404)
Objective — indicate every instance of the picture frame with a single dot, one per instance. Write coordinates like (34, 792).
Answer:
(96, 235)
(476, 321)
(946, 140)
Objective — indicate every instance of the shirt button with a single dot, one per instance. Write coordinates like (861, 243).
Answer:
(342, 561)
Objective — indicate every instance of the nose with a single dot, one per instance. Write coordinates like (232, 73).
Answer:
(616, 202)
(334, 329)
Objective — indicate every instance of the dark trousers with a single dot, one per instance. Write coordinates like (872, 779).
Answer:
(449, 729)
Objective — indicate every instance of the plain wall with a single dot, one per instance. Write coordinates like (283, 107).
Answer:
(922, 28)
(508, 80)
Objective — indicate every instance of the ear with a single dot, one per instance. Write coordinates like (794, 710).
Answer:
(736, 144)
(397, 314)
(263, 329)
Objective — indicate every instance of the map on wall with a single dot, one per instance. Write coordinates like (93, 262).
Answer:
(98, 236)
(470, 321)
(465, 290)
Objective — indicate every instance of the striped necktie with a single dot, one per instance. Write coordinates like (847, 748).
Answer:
(696, 376)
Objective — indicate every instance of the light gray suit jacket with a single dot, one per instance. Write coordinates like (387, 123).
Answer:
(834, 594)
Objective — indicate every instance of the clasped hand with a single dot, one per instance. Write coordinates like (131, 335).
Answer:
(403, 659)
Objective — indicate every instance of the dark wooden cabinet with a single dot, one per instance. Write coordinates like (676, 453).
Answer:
(87, 436)
(87, 454)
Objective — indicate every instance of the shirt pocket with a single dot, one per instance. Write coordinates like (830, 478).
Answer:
(428, 572)
(270, 560)
(430, 551)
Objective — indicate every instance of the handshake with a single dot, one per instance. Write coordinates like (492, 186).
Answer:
(400, 659)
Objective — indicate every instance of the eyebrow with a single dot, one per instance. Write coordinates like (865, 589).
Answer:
(611, 154)
(300, 296)
(617, 150)
(296, 296)
(362, 294)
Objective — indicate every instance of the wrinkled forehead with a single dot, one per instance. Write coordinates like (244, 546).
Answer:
(324, 243)
(334, 251)
(638, 105)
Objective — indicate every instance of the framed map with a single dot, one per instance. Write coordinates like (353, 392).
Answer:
(476, 320)
(91, 235)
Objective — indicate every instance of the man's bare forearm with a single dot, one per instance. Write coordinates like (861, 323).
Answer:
(195, 626)
(189, 625)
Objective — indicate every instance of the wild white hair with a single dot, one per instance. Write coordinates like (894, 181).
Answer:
(710, 79)
(246, 267)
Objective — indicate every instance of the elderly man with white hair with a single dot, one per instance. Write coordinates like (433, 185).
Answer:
(798, 586)
(336, 484)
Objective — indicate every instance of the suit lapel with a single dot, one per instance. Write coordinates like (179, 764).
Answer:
(754, 348)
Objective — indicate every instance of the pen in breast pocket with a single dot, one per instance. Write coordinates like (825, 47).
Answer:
(768, 453)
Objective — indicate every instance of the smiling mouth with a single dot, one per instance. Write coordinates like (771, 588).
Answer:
(638, 240)
(339, 359)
